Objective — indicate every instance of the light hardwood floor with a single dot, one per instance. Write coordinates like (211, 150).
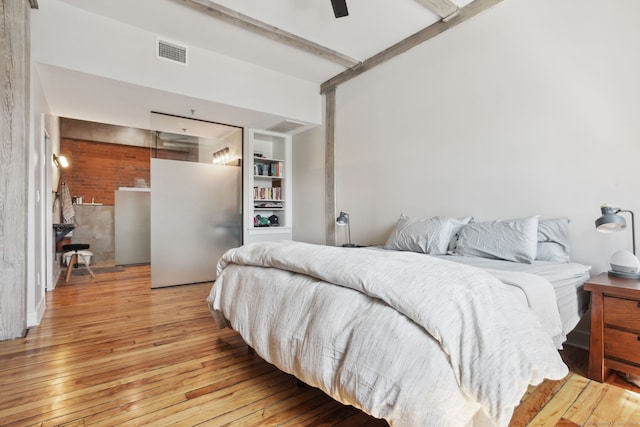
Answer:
(110, 351)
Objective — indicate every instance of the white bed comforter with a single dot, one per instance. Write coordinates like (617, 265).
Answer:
(364, 342)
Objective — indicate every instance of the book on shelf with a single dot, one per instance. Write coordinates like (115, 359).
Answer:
(268, 169)
(267, 193)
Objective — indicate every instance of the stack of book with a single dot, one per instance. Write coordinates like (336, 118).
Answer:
(267, 193)
(268, 169)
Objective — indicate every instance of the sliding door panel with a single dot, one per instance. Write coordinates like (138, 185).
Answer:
(196, 216)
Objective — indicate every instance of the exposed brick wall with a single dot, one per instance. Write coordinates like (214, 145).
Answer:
(97, 169)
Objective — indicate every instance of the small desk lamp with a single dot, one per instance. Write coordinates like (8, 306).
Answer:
(623, 263)
(343, 219)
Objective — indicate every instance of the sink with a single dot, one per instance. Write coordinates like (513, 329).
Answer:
(62, 230)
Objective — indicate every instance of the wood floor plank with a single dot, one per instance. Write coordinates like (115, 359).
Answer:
(309, 411)
(236, 395)
(589, 399)
(617, 404)
(151, 410)
(144, 388)
(88, 373)
(332, 417)
(258, 411)
(566, 423)
(73, 393)
(111, 351)
(145, 397)
(536, 399)
(275, 411)
(555, 409)
(131, 395)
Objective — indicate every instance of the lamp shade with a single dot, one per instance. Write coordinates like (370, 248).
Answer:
(343, 218)
(610, 222)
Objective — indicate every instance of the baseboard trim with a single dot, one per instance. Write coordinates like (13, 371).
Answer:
(53, 283)
(34, 317)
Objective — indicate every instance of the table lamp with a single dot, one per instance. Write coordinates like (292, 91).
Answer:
(623, 263)
(343, 219)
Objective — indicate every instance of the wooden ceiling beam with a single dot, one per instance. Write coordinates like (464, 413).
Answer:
(445, 9)
(248, 23)
(469, 11)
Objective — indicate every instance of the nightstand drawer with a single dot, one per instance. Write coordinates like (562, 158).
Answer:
(622, 313)
(622, 345)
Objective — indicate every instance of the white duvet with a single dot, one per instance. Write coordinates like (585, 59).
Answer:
(406, 337)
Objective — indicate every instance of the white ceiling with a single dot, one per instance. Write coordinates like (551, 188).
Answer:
(371, 27)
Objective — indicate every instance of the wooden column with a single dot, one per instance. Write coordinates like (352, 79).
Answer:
(14, 137)
(329, 167)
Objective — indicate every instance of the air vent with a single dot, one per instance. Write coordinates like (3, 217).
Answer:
(286, 126)
(171, 51)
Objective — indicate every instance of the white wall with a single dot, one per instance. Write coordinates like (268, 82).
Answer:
(69, 38)
(308, 186)
(529, 108)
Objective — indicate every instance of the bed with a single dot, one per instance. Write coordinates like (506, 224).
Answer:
(426, 335)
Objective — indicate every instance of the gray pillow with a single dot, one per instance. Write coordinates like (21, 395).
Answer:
(508, 239)
(553, 240)
(429, 236)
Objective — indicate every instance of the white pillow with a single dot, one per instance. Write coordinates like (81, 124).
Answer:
(553, 240)
(510, 239)
(429, 236)
(458, 223)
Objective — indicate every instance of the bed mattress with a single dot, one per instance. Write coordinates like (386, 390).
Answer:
(567, 280)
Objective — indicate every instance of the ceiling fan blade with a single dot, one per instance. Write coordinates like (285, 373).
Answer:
(339, 8)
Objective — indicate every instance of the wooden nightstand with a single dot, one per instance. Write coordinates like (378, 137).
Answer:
(615, 326)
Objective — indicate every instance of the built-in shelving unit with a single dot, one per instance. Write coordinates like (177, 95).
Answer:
(267, 180)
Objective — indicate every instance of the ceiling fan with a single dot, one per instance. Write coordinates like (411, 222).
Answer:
(339, 8)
